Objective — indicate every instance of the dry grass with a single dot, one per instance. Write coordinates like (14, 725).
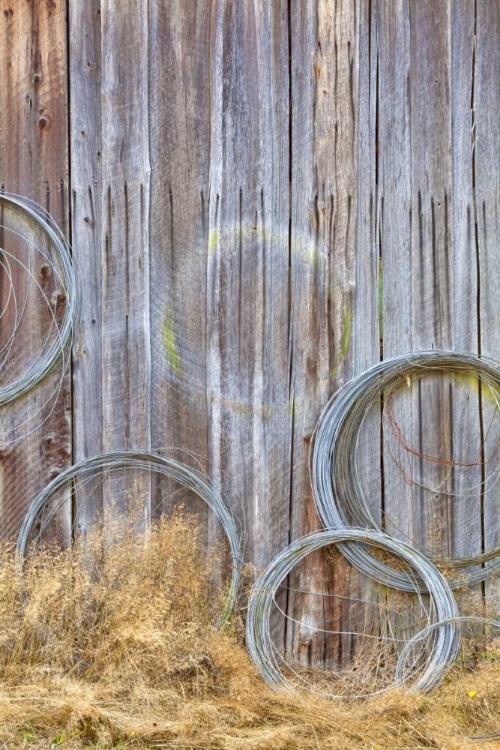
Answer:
(122, 654)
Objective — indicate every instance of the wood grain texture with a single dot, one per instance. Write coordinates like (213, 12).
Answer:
(421, 233)
(87, 225)
(111, 170)
(247, 270)
(324, 105)
(486, 131)
(179, 114)
(467, 420)
(34, 163)
(266, 199)
(431, 264)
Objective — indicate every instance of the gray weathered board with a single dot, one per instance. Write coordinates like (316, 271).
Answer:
(264, 198)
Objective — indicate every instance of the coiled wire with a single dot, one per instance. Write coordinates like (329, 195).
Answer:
(338, 495)
(45, 226)
(44, 506)
(269, 661)
(401, 668)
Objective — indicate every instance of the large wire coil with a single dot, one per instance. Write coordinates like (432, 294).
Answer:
(269, 661)
(337, 490)
(58, 255)
(49, 501)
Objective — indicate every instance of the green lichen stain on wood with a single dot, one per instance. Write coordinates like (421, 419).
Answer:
(481, 387)
(380, 300)
(213, 241)
(346, 332)
(345, 340)
(168, 338)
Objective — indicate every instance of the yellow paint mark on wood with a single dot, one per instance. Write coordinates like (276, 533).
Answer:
(346, 332)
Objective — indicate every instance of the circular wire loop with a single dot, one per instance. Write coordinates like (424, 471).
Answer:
(401, 668)
(45, 362)
(147, 461)
(443, 649)
(338, 495)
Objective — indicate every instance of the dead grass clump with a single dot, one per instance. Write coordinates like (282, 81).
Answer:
(113, 647)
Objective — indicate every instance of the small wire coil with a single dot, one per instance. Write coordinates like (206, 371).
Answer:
(338, 495)
(401, 668)
(268, 660)
(142, 460)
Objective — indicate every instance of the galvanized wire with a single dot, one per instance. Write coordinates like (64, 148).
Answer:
(339, 497)
(64, 271)
(402, 668)
(270, 663)
(47, 503)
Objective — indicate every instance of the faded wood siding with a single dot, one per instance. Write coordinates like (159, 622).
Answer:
(265, 199)
(34, 163)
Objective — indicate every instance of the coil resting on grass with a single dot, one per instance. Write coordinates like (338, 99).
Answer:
(338, 495)
(444, 646)
(184, 475)
(432, 628)
(55, 344)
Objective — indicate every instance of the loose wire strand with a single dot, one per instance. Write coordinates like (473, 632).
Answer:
(141, 460)
(338, 495)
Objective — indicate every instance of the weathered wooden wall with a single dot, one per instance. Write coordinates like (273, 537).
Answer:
(265, 198)
(34, 162)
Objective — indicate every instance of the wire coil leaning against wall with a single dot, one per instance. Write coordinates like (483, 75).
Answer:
(147, 461)
(52, 350)
(259, 642)
(431, 628)
(338, 495)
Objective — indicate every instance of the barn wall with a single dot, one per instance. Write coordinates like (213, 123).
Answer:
(265, 199)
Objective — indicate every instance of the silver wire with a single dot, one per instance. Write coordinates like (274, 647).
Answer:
(45, 362)
(184, 475)
(338, 495)
(442, 650)
(401, 668)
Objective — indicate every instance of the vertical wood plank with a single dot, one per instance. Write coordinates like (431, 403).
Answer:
(391, 80)
(432, 279)
(247, 269)
(179, 112)
(112, 215)
(485, 135)
(125, 231)
(86, 215)
(34, 163)
(367, 333)
(324, 101)
(467, 432)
